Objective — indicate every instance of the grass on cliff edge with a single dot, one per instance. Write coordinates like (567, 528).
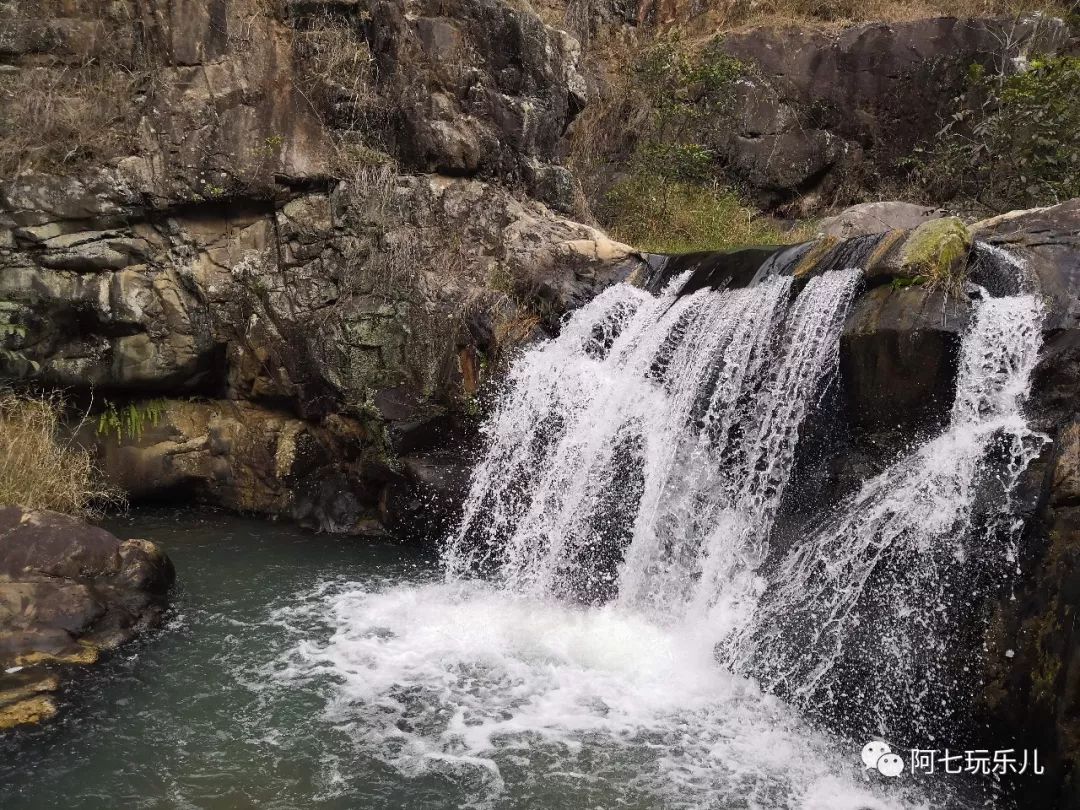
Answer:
(41, 469)
(660, 215)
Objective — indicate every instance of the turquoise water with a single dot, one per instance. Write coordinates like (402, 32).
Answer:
(306, 671)
(183, 718)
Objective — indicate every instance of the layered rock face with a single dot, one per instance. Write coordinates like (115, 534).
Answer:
(247, 244)
(67, 591)
(304, 235)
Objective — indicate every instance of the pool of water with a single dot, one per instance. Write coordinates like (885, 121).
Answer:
(303, 671)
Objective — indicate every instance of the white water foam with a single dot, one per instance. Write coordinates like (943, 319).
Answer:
(658, 432)
(502, 694)
(640, 458)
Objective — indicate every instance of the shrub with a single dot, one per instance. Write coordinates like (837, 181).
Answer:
(60, 118)
(41, 469)
(1014, 140)
(663, 215)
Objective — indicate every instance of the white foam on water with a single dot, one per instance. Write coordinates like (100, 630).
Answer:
(612, 548)
(485, 687)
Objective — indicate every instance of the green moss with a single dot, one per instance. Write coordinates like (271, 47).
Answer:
(937, 252)
(813, 255)
(903, 282)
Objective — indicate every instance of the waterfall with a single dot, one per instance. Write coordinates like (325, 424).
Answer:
(620, 619)
(884, 586)
(641, 457)
(656, 431)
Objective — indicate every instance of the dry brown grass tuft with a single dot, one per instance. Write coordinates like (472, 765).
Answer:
(41, 469)
(58, 118)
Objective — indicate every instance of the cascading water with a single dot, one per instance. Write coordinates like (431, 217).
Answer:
(693, 405)
(864, 612)
(612, 582)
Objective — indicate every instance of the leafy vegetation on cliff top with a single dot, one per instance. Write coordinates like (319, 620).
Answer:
(1014, 139)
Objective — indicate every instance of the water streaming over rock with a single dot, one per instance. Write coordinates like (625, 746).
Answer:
(656, 431)
(863, 617)
(615, 577)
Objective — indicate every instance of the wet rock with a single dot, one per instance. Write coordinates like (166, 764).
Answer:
(1030, 694)
(898, 356)
(67, 591)
(1047, 241)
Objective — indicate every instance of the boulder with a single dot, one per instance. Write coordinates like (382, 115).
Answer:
(821, 114)
(68, 590)
(877, 217)
(898, 358)
(1047, 243)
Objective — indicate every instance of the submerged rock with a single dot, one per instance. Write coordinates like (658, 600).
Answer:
(68, 590)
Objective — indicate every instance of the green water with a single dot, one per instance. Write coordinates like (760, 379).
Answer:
(181, 718)
(304, 671)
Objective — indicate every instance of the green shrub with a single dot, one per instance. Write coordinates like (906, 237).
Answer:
(1014, 140)
(682, 84)
(675, 161)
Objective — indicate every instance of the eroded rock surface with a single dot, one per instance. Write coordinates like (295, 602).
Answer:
(320, 219)
(68, 590)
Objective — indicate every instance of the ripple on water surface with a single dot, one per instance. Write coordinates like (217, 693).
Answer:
(304, 671)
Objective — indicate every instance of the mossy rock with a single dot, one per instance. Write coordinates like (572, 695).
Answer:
(29, 711)
(937, 250)
(808, 262)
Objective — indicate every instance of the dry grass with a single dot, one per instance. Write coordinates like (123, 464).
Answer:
(39, 468)
(665, 216)
(712, 16)
(337, 70)
(58, 118)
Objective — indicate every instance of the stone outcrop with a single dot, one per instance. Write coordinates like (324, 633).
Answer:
(877, 217)
(68, 590)
(374, 302)
(898, 358)
(821, 116)
(260, 231)
(477, 86)
(830, 109)
(1032, 691)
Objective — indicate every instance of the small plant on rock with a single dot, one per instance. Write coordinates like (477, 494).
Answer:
(130, 421)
